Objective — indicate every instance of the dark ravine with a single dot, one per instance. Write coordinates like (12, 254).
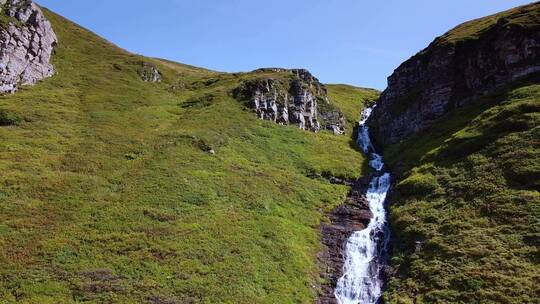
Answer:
(353, 215)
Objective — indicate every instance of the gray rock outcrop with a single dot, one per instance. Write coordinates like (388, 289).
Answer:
(149, 73)
(27, 41)
(467, 62)
(293, 97)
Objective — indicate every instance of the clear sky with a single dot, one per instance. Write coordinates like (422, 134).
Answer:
(358, 42)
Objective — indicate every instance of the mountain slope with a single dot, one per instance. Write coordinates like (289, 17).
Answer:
(114, 189)
(466, 204)
(465, 211)
(469, 61)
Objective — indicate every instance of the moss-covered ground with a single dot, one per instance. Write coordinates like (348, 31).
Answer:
(465, 212)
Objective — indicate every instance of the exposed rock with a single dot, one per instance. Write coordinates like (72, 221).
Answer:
(473, 59)
(149, 73)
(353, 215)
(334, 121)
(162, 300)
(95, 283)
(99, 275)
(27, 41)
(294, 97)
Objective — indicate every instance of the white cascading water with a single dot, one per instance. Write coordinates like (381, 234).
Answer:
(361, 282)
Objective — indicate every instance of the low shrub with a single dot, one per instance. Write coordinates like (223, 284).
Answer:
(8, 118)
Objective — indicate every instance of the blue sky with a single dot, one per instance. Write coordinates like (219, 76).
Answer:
(358, 42)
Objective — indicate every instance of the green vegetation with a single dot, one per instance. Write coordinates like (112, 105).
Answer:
(8, 118)
(349, 99)
(5, 19)
(525, 16)
(465, 214)
(114, 190)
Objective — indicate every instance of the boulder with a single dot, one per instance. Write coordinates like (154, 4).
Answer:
(149, 73)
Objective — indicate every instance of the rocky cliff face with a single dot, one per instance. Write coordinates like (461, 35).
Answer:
(27, 41)
(471, 60)
(353, 215)
(293, 97)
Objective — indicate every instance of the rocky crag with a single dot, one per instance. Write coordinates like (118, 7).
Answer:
(353, 215)
(149, 73)
(291, 97)
(471, 60)
(27, 41)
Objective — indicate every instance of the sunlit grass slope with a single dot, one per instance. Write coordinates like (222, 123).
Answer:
(346, 97)
(465, 213)
(110, 192)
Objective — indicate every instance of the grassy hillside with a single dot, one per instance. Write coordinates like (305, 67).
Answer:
(465, 212)
(525, 17)
(346, 97)
(109, 192)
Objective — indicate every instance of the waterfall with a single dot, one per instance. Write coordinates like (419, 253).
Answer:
(361, 282)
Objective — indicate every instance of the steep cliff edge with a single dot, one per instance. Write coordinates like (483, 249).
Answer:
(469, 61)
(459, 124)
(27, 41)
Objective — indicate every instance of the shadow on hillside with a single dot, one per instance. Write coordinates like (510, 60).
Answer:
(440, 137)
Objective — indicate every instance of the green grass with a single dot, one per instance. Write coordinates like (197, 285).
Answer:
(108, 192)
(5, 19)
(8, 118)
(526, 16)
(349, 99)
(465, 212)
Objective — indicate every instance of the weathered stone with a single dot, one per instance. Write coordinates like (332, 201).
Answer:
(353, 215)
(26, 45)
(450, 74)
(149, 73)
(291, 100)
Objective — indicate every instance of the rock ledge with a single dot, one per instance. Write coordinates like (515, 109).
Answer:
(291, 97)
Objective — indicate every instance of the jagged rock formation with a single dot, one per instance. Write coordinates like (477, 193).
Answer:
(353, 215)
(149, 73)
(294, 97)
(471, 60)
(27, 41)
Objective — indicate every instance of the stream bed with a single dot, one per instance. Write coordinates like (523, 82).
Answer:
(365, 250)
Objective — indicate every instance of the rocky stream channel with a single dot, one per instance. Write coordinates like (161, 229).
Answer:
(358, 235)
